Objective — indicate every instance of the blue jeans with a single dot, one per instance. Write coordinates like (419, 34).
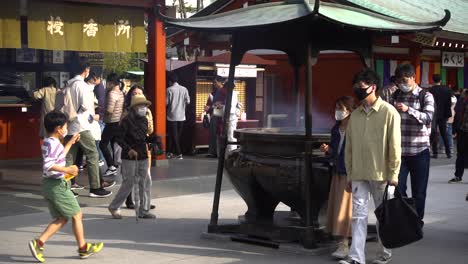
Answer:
(418, 167)
(449, 136)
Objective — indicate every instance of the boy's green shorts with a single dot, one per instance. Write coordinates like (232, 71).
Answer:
(59, 197)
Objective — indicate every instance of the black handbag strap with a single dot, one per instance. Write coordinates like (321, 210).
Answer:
(397, 193)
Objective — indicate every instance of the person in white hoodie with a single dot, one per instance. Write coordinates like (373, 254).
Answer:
(82, 125)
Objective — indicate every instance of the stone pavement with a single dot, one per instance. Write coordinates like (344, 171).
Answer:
(175, 236)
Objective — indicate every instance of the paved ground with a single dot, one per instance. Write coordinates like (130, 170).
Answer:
(183, 209)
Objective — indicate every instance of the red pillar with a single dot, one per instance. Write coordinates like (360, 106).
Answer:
(415, 54)
(156, 71)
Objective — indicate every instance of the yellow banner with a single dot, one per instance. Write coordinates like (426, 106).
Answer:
(10, 27)
(56, 26)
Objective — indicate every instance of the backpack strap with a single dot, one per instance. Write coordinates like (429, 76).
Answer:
(422, 96)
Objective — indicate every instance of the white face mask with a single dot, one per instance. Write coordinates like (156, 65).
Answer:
(141, 110)
(340, 115)
(405, 88)
(64, 132)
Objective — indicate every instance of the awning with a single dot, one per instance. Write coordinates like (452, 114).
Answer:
(305, 11)
(421, 10)
(10, 28)
(78, 27)
(139, 73)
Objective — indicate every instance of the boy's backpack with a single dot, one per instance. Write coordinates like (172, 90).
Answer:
(64, 104)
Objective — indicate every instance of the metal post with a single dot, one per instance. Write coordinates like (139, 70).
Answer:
(308, 134)
(298, 96)
(229, 85)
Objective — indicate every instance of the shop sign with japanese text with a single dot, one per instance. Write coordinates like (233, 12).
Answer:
(453, 59)
(62, 26)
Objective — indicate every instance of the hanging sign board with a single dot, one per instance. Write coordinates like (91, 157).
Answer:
(242, 71)
(67, 26)
(453, 59)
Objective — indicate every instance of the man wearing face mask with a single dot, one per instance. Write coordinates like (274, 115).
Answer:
(372, 159)
(132, 139)
(81, 125)
(416, 108)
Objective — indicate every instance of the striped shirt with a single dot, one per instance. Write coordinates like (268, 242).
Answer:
(52, 154)
(416, 122)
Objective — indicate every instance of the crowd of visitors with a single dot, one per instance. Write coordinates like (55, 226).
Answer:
(376, 145)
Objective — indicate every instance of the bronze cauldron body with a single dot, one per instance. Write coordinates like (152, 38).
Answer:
(268, 168)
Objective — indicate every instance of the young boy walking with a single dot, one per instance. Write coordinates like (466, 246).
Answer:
(60, 199)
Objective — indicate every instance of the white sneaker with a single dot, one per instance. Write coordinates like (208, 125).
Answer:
(112, 170)
(342, 251)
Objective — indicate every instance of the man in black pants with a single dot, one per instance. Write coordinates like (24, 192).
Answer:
(177, 98)
(460, 126)
(443, 102)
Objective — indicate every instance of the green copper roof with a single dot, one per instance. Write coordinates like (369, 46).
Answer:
(422, 11)
(295, 10)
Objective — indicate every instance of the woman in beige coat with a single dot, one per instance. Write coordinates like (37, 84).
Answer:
(47, 95)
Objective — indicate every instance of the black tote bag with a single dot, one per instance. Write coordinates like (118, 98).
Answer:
(399, 223)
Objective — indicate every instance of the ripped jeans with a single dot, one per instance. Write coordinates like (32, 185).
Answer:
(361, 191)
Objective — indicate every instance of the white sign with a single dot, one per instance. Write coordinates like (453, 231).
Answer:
(453, 59)
(242, 72)
(58, 56)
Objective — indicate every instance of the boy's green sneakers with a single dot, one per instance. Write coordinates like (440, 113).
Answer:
(91, 248)
(36, 250)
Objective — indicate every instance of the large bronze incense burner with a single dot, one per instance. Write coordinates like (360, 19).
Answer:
(268, 168)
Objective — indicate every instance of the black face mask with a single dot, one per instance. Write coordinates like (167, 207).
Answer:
(361, 94)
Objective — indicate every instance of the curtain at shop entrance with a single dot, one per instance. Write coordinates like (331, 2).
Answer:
(10, 28)
(62, 26)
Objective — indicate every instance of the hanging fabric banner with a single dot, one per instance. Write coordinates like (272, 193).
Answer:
(10, 27)
(460, 78)
(425, 78)
(443, 76)
(63, 26)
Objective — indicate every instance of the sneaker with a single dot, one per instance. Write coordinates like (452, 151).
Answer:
(101, 163)
(36, 250)
(75, 194)
(382, 260)
(348, 261)
(99, 193)
(76, 186)
(112, 170)
(169, 155)
(455, 180)
(81, 168)
(108, 184)
(435, 156)
(115, 213)
(342, 251)
(91, 248)
(147, 216)
(179, 156)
